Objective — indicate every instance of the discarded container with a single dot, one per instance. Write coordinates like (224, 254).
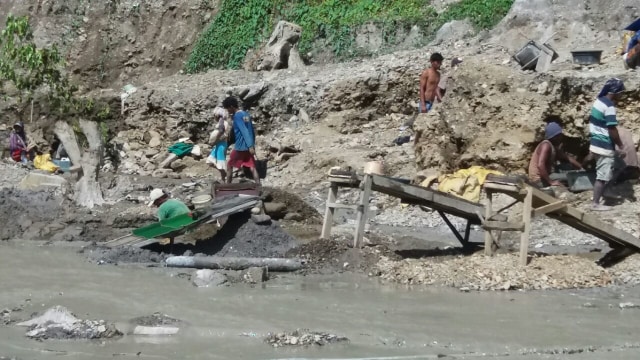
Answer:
(580, 180)
(64, 164)
(201, 201)
(586, 57)
(528, 56)
(374, 167)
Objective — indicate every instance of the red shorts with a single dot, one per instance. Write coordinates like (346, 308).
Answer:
(16, 155)
(239, 159)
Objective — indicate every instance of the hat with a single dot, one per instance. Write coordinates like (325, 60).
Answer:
(155, 195)
(552, 130)
(18, 125)
(612, 86)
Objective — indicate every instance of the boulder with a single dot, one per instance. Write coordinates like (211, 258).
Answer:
(207, 278)
(255, 275)
(275, 210)
(280, 51)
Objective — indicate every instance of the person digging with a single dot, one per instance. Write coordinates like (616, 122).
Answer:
(167, 208)
(545, 156)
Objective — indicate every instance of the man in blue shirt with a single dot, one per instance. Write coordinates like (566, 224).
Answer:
(243, 153)
(632, 54)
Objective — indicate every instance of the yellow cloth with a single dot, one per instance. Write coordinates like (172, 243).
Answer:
(626, 36)
(43, 162)
(464, 183)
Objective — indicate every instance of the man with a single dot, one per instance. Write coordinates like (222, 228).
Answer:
(545, 156)
(167, 208)
(243, 153)
(631, 56)
(604, 137)
(218, 138)
(429, 80)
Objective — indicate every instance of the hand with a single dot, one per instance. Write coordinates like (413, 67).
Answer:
(621, 154)
(252, 150)
(556, 183)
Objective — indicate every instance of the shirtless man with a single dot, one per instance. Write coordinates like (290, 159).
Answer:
(429, 80)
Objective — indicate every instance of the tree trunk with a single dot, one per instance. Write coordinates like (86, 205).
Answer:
(87, 189)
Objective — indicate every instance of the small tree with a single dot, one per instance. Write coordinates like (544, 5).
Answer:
(30, 68)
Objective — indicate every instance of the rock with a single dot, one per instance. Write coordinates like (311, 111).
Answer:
(278, 53)
(155, 330)
(275, 210)
(149, 166)
(151, 152)
(304, 117)
(207, 278)
(303, 337)
(155, 142)
(59, 323)
(261, 219)
(162, 173)
(293, 217)
(454, 31)
(178, 165)
(628, 305)
(255, 275)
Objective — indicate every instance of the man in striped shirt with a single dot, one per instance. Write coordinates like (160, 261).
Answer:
(604, 137)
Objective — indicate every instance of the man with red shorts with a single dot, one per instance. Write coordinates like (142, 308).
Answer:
(243, 153)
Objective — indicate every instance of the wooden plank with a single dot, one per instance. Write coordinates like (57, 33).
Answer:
(453, 229)
(503, 226)
(488, 239)
(329, 211)
(543, 210)
(363, 209)
(430, 198)
(544, 59)
(342, 206)
(526, 219)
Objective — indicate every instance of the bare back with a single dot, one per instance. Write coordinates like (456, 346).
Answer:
(429, 80)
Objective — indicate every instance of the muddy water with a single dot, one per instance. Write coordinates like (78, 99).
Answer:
(381, 321)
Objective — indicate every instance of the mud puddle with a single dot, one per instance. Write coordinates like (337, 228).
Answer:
(230, 322)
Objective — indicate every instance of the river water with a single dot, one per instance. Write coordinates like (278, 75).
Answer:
(382, 321)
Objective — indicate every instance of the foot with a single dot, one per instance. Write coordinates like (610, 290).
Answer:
(600, 207)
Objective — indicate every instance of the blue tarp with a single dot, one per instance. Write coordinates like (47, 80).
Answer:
(634, 26)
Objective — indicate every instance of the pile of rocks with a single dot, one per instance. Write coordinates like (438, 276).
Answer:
(303, 337)
(60, 323)
(503, 272)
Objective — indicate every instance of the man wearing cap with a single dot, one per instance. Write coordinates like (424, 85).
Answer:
(604, 137)
(546, 154)
(167, 208)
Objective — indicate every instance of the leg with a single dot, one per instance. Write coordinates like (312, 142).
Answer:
(229, 173)
(256, 177)
(223, 175)
(328, 213)
(604, 172)
(526, 219)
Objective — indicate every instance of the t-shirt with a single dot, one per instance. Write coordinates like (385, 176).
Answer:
(631, 157)
(172, 208)
(603, 116)
(243, 131)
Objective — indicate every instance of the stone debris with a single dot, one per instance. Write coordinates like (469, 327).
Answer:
(59, 323)
(303, 337)
(208, 278)
(628, 305)
(503, 272)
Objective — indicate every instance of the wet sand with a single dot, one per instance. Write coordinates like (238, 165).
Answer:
(380, 320)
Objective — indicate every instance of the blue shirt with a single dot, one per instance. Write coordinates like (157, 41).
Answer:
(633, 41)
(243, 131)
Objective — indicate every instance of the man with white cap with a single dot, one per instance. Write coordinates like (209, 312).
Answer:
(605, 137)
(546, 154)
(167, 207)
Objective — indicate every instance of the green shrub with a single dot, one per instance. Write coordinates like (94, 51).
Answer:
(242, 25)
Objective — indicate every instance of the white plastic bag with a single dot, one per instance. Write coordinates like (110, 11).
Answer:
(196, 151)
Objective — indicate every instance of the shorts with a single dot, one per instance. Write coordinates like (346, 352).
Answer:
(428, 106)
(604, 167)
(240, 159)
(218, 156)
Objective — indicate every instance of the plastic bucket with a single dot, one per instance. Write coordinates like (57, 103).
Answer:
(201, 201)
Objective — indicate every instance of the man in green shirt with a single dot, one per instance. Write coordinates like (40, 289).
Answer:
(167, 208)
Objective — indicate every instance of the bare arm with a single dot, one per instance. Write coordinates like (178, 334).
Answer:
(439, 94)
(564, 156)
(424, 77)
(615, 136)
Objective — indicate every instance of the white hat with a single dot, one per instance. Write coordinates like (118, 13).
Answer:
(155, 195)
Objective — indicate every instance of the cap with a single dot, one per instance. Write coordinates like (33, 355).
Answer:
(155, 195)
(552, 130)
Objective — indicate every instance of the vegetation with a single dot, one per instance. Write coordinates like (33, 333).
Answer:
(243, 24)
(30, 68)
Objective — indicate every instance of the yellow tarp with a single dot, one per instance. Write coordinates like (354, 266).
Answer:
(43, 162)
(464, 183)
